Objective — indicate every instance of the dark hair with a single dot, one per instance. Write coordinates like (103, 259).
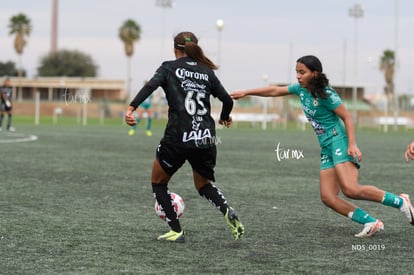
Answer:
(187, 43)
(320, 81)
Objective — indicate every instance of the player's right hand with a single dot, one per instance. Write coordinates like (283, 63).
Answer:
(237, 94)
(409, 153)
(130, 118)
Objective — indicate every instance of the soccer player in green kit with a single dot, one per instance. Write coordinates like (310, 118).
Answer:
(340, 156)
(190, 135)
(145, 107)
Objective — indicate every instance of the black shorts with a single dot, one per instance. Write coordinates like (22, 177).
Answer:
(4, 107)
(203, 161)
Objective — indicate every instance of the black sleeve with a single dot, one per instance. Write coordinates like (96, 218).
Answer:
(220, 92)
(227, 105)
(145, 92)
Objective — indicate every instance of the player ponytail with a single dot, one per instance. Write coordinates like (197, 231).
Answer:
(187, 43)
(318, 84)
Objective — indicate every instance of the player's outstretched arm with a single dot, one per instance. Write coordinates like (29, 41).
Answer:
(268, 91)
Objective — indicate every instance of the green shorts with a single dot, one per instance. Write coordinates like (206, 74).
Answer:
(335, 153)
(146, 105)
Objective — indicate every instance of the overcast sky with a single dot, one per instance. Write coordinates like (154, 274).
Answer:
(262, 37)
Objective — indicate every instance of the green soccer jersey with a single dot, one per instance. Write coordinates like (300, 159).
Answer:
(319, 113)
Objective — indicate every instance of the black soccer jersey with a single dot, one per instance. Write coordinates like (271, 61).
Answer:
(7, 91)
(188, 87)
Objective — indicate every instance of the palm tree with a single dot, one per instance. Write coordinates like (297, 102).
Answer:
(129, 33)
(387, 66)
(20, 26)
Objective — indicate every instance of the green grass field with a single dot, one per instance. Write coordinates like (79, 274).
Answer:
(78, 201)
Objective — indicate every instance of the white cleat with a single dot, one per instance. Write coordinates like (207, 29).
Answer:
(407, 208)
(370, 229)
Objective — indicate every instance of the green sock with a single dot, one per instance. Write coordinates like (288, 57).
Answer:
(136, 125)
(149, 122)
(360, 216)
(393, 200)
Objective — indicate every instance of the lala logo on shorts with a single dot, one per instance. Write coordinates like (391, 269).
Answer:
(196, 135)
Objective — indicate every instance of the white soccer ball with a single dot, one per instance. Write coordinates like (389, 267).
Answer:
(178, 206)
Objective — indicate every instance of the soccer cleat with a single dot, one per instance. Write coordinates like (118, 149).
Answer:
(407, 208)
(131, 132)
(237, 228)
(11, 129)
(149, 133)
(370, 229)
(172, 236)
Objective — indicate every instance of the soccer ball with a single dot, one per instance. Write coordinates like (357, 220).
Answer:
(178, 206)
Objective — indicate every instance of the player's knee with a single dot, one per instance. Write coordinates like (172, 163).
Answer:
(352, 192)
(328, 199)
(200, 182)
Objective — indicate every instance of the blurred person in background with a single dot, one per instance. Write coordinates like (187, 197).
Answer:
(6, 104)
(145, 107)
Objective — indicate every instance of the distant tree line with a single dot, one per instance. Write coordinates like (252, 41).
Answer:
(60, 63)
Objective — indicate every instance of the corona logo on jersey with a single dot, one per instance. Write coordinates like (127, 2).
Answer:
(184, 73)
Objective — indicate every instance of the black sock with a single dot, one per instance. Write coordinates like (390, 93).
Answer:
(9, 121)
(214, 195)
(163, 197)
(1, 119)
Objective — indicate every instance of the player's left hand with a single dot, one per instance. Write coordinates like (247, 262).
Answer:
(227, 122)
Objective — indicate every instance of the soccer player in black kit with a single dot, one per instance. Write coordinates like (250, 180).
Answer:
(6, 105)
(188, 83)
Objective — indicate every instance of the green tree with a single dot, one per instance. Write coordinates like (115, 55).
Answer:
(129, 33)
(387, 66)
(67, 63)
(20, 26)
(9, 68)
